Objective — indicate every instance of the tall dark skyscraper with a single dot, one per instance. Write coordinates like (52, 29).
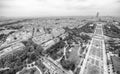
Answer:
(97, 15)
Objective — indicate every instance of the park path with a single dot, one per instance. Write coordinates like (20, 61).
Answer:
(95, 61)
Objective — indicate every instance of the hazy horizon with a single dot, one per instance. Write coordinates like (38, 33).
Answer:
(43, 8)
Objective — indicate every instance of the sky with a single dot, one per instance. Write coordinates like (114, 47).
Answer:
(16, 8)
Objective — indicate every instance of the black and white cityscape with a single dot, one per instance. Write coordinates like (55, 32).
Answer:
(59, 37)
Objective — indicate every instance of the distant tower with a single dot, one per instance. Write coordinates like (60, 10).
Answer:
(97, 15)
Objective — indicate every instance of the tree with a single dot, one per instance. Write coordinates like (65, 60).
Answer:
(32, 57)
(68, 65)
(85, 37)
(5, 72)
(119, 53)
(39, 50)
(1, 63)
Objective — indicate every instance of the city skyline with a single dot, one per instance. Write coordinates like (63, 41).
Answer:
(15, 8)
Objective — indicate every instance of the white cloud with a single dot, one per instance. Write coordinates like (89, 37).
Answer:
(58, 7)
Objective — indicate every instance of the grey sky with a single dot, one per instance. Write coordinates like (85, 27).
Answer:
(59, 7)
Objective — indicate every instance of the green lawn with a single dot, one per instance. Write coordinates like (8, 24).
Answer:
(92, 69)
(37, 72)
(116, 63)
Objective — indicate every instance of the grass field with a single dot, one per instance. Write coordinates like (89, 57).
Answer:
(91, 69)
(116, 63)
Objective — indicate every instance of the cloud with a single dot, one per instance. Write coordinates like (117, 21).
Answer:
(118, 1)
(58, 7)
